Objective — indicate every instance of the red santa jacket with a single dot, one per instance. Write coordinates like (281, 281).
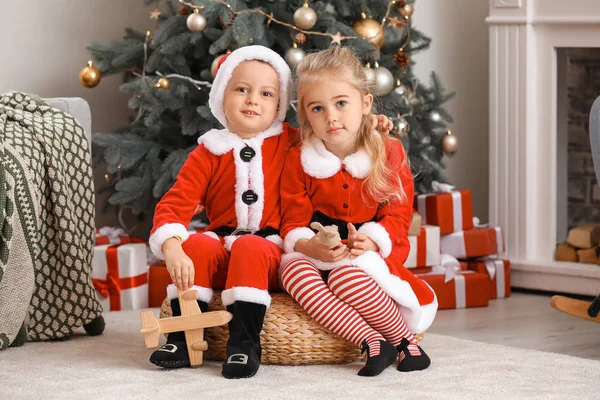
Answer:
(235, 179)
(315, 180)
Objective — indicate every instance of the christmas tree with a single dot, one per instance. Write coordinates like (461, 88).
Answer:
(169, 73)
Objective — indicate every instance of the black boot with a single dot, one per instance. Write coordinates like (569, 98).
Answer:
(375, 365)
(243, 346)
(408, 362)
(174, 353)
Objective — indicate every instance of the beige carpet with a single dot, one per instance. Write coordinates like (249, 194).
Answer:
(115, 365)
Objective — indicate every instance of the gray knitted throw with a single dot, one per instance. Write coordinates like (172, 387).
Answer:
(46, 222)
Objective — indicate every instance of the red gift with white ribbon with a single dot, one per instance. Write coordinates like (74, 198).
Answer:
(120, 276)
(425, 248)
(113, 235)
(498, 271)
(478, 242)
(451, 210)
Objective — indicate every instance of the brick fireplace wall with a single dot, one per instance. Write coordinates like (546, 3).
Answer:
(583, 87)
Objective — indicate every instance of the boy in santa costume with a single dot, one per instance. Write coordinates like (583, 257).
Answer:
(234, 173)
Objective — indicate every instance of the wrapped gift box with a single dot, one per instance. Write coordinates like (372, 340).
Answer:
(110, 235)
(498, 272)
(478, 242)
(159, 279)
(451, 211)
(465, 289)
(120, 276)
(425, 248)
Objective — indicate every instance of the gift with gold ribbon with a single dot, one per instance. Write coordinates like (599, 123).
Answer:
(120, 276)
(451, 210)
(425, 248)
(455, 287)
(498, 271)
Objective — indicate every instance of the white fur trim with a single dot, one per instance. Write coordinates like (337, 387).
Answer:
(294, 235)
(275, 239)
(377, 233)
(418, 318)
(165, 232)
(212, 235)
(320, 163)
(234, 59)
(228, 242)
(204, 294)
(245, 293)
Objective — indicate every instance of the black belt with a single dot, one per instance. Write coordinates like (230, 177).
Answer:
(229, 231)
(342, 225)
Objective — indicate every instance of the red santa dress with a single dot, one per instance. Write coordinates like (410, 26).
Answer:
(318, 186)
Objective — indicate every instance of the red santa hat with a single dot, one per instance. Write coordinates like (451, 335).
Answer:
(229, 62)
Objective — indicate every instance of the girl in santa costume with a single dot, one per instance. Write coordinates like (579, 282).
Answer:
(234, 173)
(348, 175)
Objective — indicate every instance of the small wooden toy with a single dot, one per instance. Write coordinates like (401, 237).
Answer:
(328, 235)
(192, 321)
(578, 308)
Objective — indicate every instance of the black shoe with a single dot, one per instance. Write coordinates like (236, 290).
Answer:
(243, 347)
(408, 362)
(95, 327)
(174, 353)
(375, 365)
(21, 337)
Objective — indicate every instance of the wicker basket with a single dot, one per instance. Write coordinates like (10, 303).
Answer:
(289, 336)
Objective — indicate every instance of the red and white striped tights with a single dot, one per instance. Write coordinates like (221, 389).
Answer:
(350, 304)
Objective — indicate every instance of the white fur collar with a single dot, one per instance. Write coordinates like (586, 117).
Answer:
(221, 141)
(319, 162)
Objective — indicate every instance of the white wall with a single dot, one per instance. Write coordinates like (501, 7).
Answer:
(459, 55)
(44, 49)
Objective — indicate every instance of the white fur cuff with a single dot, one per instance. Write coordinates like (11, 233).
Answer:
(245, 293)
(293, 236)
(165, 232)
(204, 294)
(377, 233)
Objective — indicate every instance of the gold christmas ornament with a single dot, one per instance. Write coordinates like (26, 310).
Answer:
(162, 83)
(305, 17)
(196, 21)
(215, 63)
(89, 76)
(300, 38)
(384, 81)
(401, 59)
(449, 143)
(294, 55)
(369, 74)
(400, 88)
(370, 30)
(406, 11)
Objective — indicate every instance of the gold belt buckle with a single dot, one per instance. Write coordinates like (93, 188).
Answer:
(239, 230)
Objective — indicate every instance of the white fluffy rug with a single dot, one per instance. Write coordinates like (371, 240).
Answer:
(115, 365)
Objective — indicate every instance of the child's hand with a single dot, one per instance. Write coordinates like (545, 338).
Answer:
(316, 249)
(381, 123)
(359, 243)
(179, 265)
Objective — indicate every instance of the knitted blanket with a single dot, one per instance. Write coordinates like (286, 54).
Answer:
(46, 222)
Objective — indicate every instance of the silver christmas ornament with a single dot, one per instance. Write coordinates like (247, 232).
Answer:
(403, 126)
(400, 88)
(196, 21)
(384, 81)
(305, 17)
(293, 56)
(369, 74)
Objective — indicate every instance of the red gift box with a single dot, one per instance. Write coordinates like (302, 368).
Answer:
(451, 211)
(120, 276)
(109, 235)
(498, 272)
(425, 248)
(478, 242)
(466, 289)
(159, 280)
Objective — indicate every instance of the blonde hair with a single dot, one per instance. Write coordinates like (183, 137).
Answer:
(383, 184)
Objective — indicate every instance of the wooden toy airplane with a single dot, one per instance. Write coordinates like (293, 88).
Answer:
(192, 321)
(578, 308)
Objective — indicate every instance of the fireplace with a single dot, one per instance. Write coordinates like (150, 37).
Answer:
(530, 42)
